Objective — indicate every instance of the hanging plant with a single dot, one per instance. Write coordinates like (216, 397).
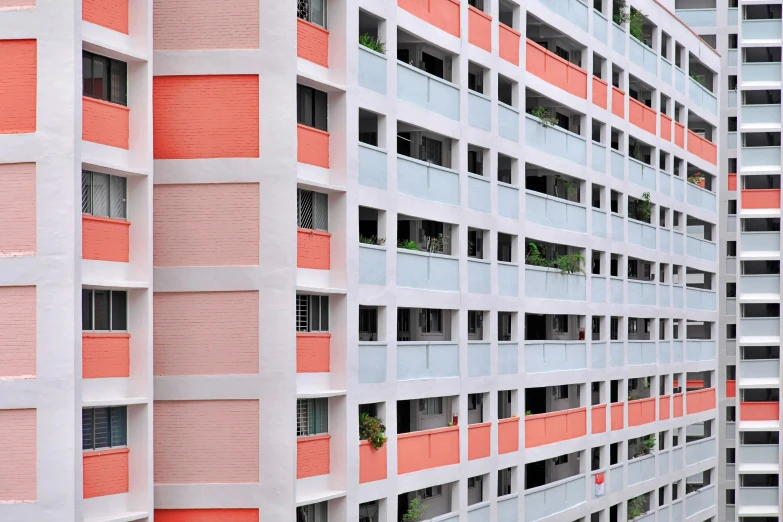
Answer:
(372, 430)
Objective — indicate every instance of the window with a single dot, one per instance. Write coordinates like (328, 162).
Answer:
(104, 78)
(731, 413)
(504, 482)
(730, 455)
(562, 459)
(311, 107)
(560, 392)
(732, 82)
(369, 511)
(560, 323)
(312, 417)
(731, 248)
(474, 401)
(731, 331)
(632, 325)
(730, 497)
(104, 427)
(614, 332)
(505, 242)
(731, 290)
(104, 310)
(432, 406)
(104, 195)
(504, 326)
(732, 124)
(313, 11)
(732, 207)
(733, 41)
(424, 494)
(432, 321)
(475, 321)
(313, 513)
(368, 324)
(473, 482)
(475, 164)
(476, 243)
(312, 313)
(312, 210)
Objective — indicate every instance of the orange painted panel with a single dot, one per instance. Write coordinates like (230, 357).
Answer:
(312, 146)
(206, 515)
(679, 135)
(618, 416)
(690, 384)
(677, 404)
(642, 116)
(731, 389)
(112, 14)
(699, 400)
(312, 352)
(105, 123)
(372, 462)
(443, 14)
(105, 355)
(509, 43)
(18, 86)
(313, 249)
(105, 239)
(313, 456)
(618, 102)
(209, 116)
(508, 435)
(479, 440)
(312, 43)
(598, 418)
(664, 407)
(666, 127)
(641, 412)
(732, 182)
(479, 29)
(757, 411)
(760, 198)
(105, 472)
(600, 92)
(427, 449)
(550, 428)
(551, 68)
(702, 148)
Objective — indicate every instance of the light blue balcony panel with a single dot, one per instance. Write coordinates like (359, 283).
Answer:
(422, 360)
(600, 28)
(372, 363)
(599, 223)
(641, 352)
(679, 80)
(508, 358)
(479, 276)
(553, 212)
(599, 158)
(641, 174)
(641, 234)
(598, 355)
(551, 283)
(701, 248)
(619, 37)
(618, 227)
(508, 201)
(555, 356)
(617, 164)
(759, 242)
(372, 70)
(372, 265)
(508, 279)
(698, 17)
(545, 501)
(508, 122)
(761, 30)
(760, 72)
(427, 181)
(427, 271)
(764, 115)
(641, 293)
(427, 91)
(478, 359)
(572, 10)
(372, 166)
(760, 157)
(556, 141)
(478, 193)
(598, 287)
(479, 111)
(641, 469)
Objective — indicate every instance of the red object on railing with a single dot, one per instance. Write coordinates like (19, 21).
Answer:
(551, 68)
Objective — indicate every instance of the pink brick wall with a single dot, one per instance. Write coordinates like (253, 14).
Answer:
(313, 456)
(206, 224)
(195, 24)
(17, 331)
(18, 455)
(105, 239)
(17, 209)
(201, 442)
(105, 123)
(11, 4)
(205, 333)
(18, 86)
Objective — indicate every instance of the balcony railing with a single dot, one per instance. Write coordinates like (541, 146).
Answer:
(700, 450)
(755, 30)
(427, 91)
(598, 418)
(105, 472)
(599, 223)
(574, 11)
(759, 411)
(105, 239)
(600, 92)
(545, 501)
(759, 369)
(677, 404)
(666, 127)
(760, 158)
(666, 71)
(312, 352)
(762, 328)
(372, 166)
(105, 355)
(555, 140)
(479, 359)
(508, 122)
(551, 283)
(664, 241)
(757, 499)
(618, 39)
(702, 97)
(698, 401)
(479, 111)
(479, 438)
(759, 241)
(372, 463)
(508, 357)
(479, 276)
(599, 157)
(508, 435)
(618, 102)
(642, 234)
(508, 279)
(701, 248)
(641, 412)
(679, 134)
(706, 17)
(768, 284)
(643, 56)
(664, 407)
(761, 115)
(478, 193)
(641, 469)
(372, 362)
(372, 70)
(640, 173)
(555, 356)
(760, 72)
(509, 43)
(700, 500)
(558, 426)
(313, 249)
(479, 29)
(427, 181)
(761, 199)
(313, 456)
(427, 449)
(702, 148)
(641, 352)
(700, 350)
(105, 123)
(600, 27)
(312, 43)
(617, 416)
(427, 271)
(759, 455)
(312, 146)
(508, 201)
(701, 198)
(679, 79)
(554, 70)
(554, 212)
(427, 360)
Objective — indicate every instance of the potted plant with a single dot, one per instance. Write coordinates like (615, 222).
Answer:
(415, 511)
(543, 115)
(372, 240)
(635, 506)
(407, 244)
(648, 444)
(372, 43)
(697, 179)
(372, 430)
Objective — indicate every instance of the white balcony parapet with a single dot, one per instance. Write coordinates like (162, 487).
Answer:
(760, 30)
(701, 248)
(479, 111)
(679, 188)
(508, 510)
(479, 193)
(427, 271)
(555, 356)
(372, 70)
(617, 163)
(372, 265)
(643, 56)
(508, 122)
(554, 212)
(700, 450)
(372, 166)
(616, 354)
(641, 174)
(760, 286)
(599, 223)
(618, 39)
(600, 27)
(758, 242)
(702, 97)
(545, 501)
(598, 285)
(427, 181)
(663, 462)
(761, 115)
(598, 355)
(508, 357)
(706, 17)
(479, 276)
(759, 458)
(551, 283)
(700, 350)
(427, 91)
(641, 470)
(508, 201)
(556, 141)
(599, 157)
(666, 71)
(701, 198)
(479, 512)
(616, 290)
(641, 352)
(700, 500)
(427, 360)
(642, 234)
(372, 362)
(479, 359)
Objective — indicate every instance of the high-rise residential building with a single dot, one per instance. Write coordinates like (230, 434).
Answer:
(748, 36)
(302, 220)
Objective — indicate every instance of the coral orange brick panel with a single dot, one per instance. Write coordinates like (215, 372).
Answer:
(18, 86)
(112, 14)
(206, 515)
(205, 116)
(105, 239)
(105, 355)
(312, 43)
(17, 331)
(105, 472)
(18, 456)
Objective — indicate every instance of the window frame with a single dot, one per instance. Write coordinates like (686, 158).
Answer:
(305, 407)
(309, 17)
(110, 204)
(111, 64)
(305, 324)
(111, 310)
(109, 416)
(317, 96)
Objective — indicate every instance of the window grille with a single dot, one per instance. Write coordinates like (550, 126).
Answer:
(313, 513)
(312, 210)
(312, 313)
(313, 11)
(312, 417)
(104, 427)
(615, 328)
(104, 195)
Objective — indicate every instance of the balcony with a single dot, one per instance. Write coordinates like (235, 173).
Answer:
(372, 362)
(105, 239)
(761, 199)
(702, 148)
(555, 140)
(428, 181)
(105, 472)
(760, 285)
(555, 212)
(312, 352)
(427, 91)
(760, 158)
(372, 70)
(105, 355)
(372, 166)
(641, 411)
(760, 30)
(508, 435)
(551, 283)
(758, 329)
(479, 436)
(372, 463)
(618, 102)
(679, 134)
(641, 174)
(427, 360)
(509, 43)
(700, 450)
(598, 418)
(641, 469)
(427, 271)
(641, 352)
(643, 56)
(706, 17)
(420, 450)
(105, 123)
(555, 70)
(752, 501)
(666, 127)
(679, 79)
(759, 457)
(701, 249)
(508, 122)
(600, 92)
(701, 198)
(758, 242)
(758, 370)
(313, 249)
(700, 500)
(760, 115)
(698, 401)
(508, 358)
(443, 14)
(700, 350)
(558, 426)
(765, 73)
(555, 356)
(479, 29)
(545, 501)
(642, 234)
(312, 43)
(313, 456)
(759, 411)
(702, 97)
(677, 404)
(312, 146)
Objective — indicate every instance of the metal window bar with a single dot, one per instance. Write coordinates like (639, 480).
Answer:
(312, 416)
(302, 315)
(312, 210)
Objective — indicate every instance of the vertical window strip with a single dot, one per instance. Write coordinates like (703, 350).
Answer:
(112, 310)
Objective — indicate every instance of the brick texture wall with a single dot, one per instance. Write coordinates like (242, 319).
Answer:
(312, 43)
(205, 333)
(313, 249)
(18, 86)
(105, 239)
(17, 208)
(11, 4)
(312, 352)
(312, 146)
(17, 331)
(105, 123)
(206, 442)
(205, 117)
(18, 455)
(105, 355)
(105, 472)
(195, 24)
(112, 14)
(312, 456)
(205, 224)
(206, 515)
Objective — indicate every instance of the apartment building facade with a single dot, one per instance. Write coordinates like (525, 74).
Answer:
(747, 35)
(234, 337)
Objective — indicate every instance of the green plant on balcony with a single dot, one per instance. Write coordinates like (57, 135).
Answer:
(415, 511)
(372, 240)
(635, 506)
(568, 185)
(543, 115)
(696, 179)
(633, 397)
(696, 78)
(620, 13)
(372, 43)
(645, 207)
(436, 244)
(528, 412)
(407, 244)
(648, 444)
(567, 263)
(636, 25)
(372, 430)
